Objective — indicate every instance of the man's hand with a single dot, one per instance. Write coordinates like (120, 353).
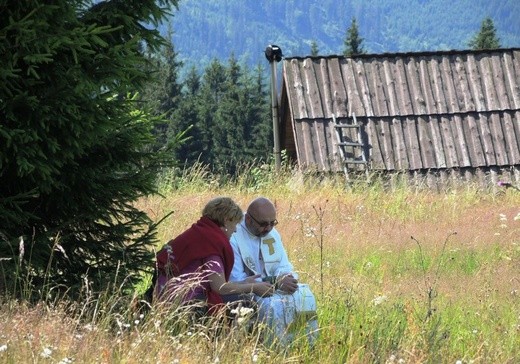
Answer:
(287, 283)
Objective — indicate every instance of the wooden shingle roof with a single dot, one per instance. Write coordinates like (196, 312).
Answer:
(419, 111)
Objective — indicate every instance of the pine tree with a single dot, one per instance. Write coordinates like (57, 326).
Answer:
(186, 122)
(162, 92)
(353, 42)
(259, 116)
(314, 49)
(486, 38)
(211, 94)
(229, 125)
(73, 143)
(242, 130)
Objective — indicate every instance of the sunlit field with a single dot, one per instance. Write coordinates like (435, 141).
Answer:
(400, 275)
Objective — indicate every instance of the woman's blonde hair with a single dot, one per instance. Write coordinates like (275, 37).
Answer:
(222, 210)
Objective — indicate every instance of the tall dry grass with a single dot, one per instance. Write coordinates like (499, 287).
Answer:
(400, 276)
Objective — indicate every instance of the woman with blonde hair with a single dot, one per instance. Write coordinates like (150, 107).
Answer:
(196, 265)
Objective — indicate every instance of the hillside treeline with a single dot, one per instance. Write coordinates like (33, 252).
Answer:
(207, 29)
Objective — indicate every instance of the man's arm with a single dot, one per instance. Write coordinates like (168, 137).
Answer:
(238, 273)
(286, 278)
(285, 266)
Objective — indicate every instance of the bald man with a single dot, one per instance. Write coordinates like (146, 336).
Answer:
(259, 252)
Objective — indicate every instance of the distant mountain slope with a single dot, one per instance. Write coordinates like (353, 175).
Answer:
(207, 29)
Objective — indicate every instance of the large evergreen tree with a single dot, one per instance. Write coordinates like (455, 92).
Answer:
(211, 94)
(486, 38)
(353, 41)
(228, 130)
(73, 141)
(259, 130)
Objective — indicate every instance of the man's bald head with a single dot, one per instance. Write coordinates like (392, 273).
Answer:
(261, 216)
(261, 205)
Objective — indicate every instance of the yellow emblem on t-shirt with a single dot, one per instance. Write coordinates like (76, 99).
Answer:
(270, 243)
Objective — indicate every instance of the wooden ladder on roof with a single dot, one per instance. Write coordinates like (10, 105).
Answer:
(350, 145)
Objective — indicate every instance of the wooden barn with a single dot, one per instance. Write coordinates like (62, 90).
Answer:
(449, 114)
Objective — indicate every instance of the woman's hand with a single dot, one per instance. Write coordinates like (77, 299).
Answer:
(218, 284)
(263, 289)
(252, 279)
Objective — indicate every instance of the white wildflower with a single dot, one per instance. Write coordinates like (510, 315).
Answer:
(65, 361)
(3, 348)
(244, 311)
(241, 320)
(517, 217)
(379, 299)
(46, 353)
(458, 362)
(391, 359)
(503, 217)
(255, 358)
(241, 311)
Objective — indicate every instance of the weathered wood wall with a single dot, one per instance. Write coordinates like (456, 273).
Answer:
(419, 112)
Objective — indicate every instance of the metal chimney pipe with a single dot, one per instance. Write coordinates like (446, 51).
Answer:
(273, 54)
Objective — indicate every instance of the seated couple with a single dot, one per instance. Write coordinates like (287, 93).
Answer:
(226, 256)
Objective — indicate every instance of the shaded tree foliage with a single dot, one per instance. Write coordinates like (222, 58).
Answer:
(234, 116)
(186, 122)
(222, 117)
(211, 94)
(162, 91)
(73, 142)
(259, 122)
(228, 129)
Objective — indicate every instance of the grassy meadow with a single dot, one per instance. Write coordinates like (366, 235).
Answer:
(400, 276)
